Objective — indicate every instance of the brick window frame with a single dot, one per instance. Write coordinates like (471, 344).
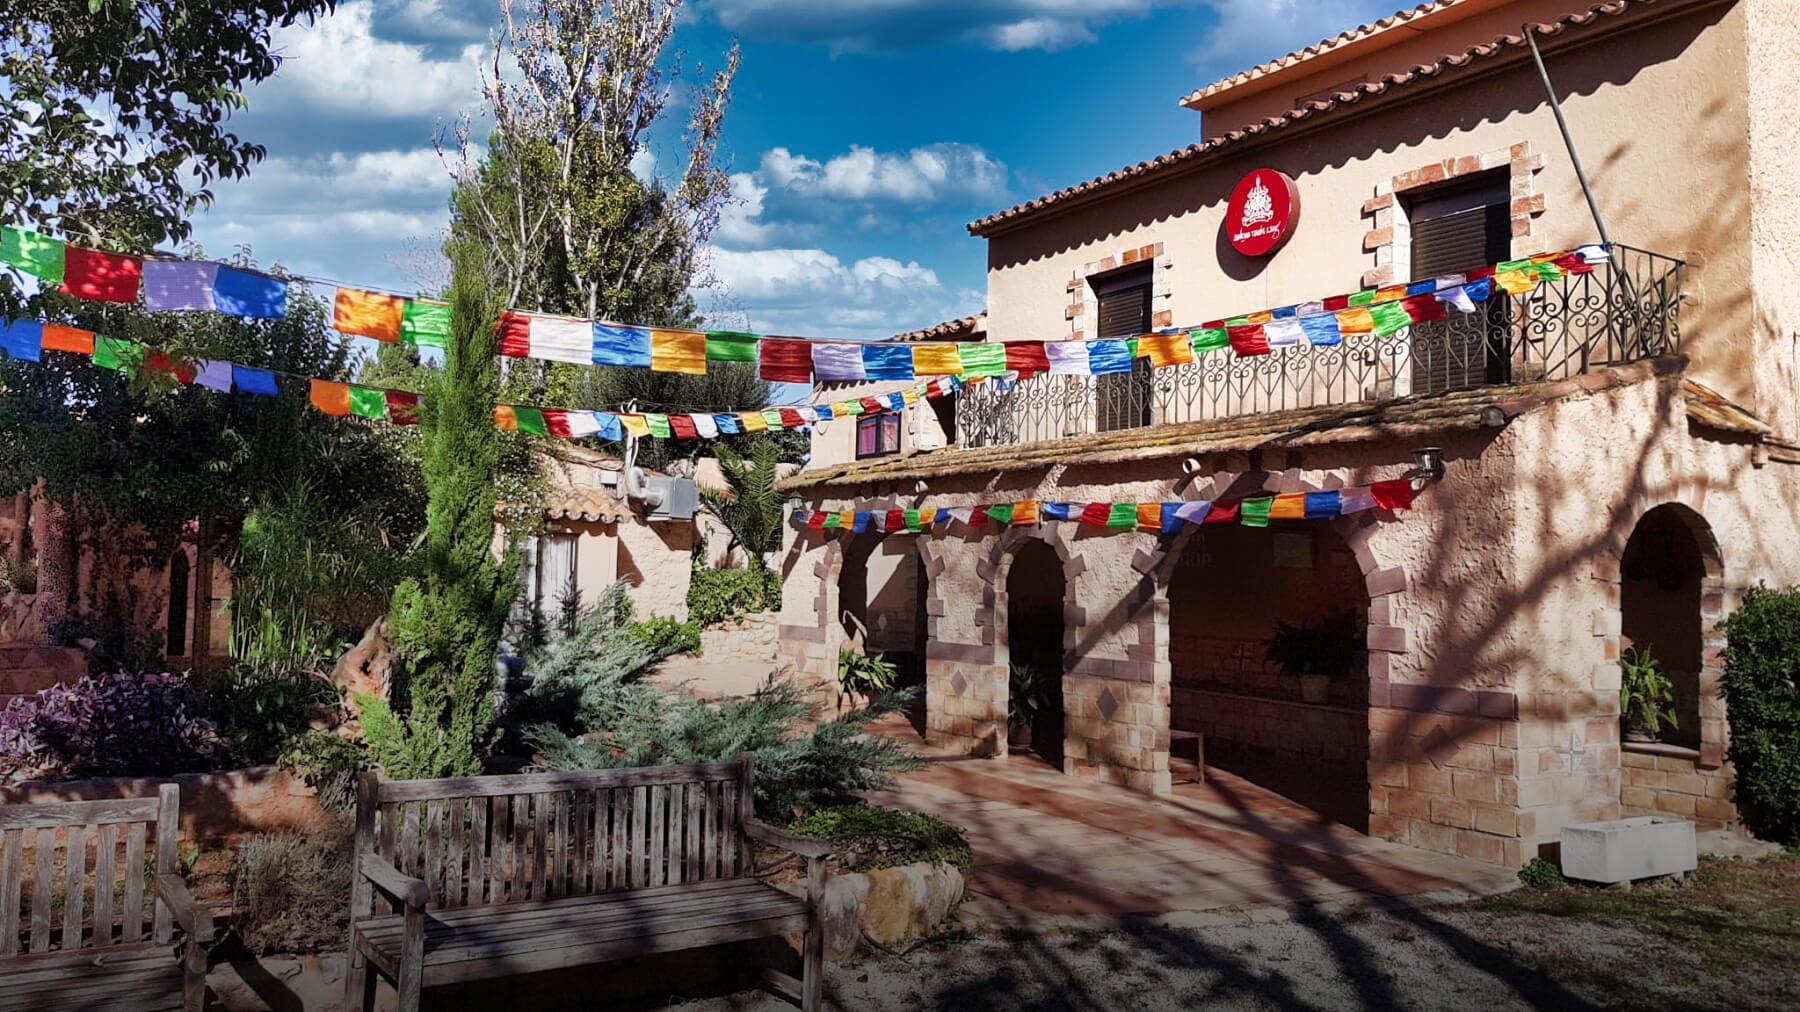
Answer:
(1389, 236)
(1083, 310)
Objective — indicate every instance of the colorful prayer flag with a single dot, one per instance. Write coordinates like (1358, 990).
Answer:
(1356, 320)
(1355, 500)
(23, 340)
(554, 339)
(367, 402)
(1149, 516)
(611, 344)
(1001, 514)
(531, 420)
(1321, 330)
(753, 421)
(1058, 511)
(426, 324)
(887, 361)
(1516, 282)
(100, 277)
(249, 294)
(936, 360)
(112, 353)
(683, 427)
(982, 359)
(786, 361)
(1249, 339)
(678, 351)
(1067, 358)
(659, 425)
(1122, 515)
(211, 374)
(1255, 512)
(35, 254)
(1393, 495)
(402, 407)
(1027, 358)
(515, 334)
(730, 346)
(1025, 513)
(1423, 308)
(1389, 318)
(1288, 506)
(1165, 350)
(1108, 356)
(71, 339)
(1284, 333)
(374, 315)
(246, 379)
(175, 285)
(331, 398)
(1320, 505)
(838, 363)
(1207, 339)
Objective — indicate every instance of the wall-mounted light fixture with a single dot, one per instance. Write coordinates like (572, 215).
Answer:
(1430, 462)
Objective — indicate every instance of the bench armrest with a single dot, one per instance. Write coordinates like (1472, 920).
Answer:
(387, 878)
(756, 829)
(194, 920)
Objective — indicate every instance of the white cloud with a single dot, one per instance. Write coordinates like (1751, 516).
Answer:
(643, 166)
(902, 24)
(790, 194)
(1250, 32)
(738, 222)
(338, 65)
(815, 294)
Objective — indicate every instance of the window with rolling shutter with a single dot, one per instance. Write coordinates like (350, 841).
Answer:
(1122, 400)
(1453, 231)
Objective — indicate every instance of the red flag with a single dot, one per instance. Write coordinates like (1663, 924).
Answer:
(1423, 307)
(1222, 513)
(785, 360)
(896, 520)
(871, 406)
(1393, 495)
(515, 334)
(1573, 263)
(1481, 272)
(557, 423)
(102, 277)
(790, 418)
(816, 521)
(980, 518)
(1096, 513)
(402, 407)
(1249, 339)
(1337, 302)
(683, 427)
(1027, 358)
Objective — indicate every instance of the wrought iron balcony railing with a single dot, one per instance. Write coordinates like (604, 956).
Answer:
(1626, 309)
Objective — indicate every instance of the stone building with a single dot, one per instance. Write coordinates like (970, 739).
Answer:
(1618, 446)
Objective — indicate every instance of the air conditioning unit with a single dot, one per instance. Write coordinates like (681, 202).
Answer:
(680, 498)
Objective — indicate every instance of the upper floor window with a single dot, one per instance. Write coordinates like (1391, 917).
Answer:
(1454, 229)
(1122, 400)
(877, 435)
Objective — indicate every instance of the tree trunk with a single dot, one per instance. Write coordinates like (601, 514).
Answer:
(53, 534)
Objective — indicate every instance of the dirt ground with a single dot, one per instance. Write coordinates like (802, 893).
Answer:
(1724, 939)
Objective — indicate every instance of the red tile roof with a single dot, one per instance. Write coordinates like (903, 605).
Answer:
(949, 330)
(1300, 56)
(1182, 158)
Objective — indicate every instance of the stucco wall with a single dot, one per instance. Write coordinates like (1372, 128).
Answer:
(1675, 189)
(834, 442)
(654, 558)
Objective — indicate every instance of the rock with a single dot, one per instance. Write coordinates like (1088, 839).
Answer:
(943, 891)
(887, 916)
(840, 914)
(366, 668)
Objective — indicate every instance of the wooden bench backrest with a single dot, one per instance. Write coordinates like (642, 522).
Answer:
(479, 841)
(73, 873)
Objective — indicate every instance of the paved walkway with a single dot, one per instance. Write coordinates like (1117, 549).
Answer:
(1048, 845)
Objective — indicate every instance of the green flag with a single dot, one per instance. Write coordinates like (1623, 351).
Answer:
(1003, 513)
(426, 324)
(367, 402)
(531, 420)
(112, 353)
(35, 254)
(983, 359)
(659, 426)
(1255, 512)
(1366, 297)
(730, 346)
(1390, 317)
(773, 417)
(912, 520)
(1123, 514)
(1210, 339)
(834, 519)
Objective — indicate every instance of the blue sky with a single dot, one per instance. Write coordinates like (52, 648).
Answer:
(862, 136)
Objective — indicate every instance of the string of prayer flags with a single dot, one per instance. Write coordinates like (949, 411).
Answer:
(37, 255)
(1156, 517)
(99, 276)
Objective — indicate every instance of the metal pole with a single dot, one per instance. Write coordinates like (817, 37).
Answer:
(1568, 140)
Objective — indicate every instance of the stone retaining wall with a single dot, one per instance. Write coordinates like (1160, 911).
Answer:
(751, 639)
(1665, 780)
(260, 799)
(890, 905)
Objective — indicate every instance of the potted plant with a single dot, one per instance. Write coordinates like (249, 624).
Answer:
(1025, 697)
(1316, 653)
(863, 675)
(1646, 695)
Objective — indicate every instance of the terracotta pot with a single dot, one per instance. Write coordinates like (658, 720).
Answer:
(1315, 688)
(1018, 734)
(1637, 732)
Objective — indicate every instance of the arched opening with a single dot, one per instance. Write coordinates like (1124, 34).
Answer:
(1292, 719)
(177, 638)
(1661, 576)
(1034, 633)
(881, 604)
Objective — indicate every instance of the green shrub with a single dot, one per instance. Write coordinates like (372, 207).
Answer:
(665, 636)
(721, 595)
(1541, 874)
(264, 707)
(293, 891)
(862, 674)
(330, 765)
(1646, 694)
(867, 837)
(1762, 696)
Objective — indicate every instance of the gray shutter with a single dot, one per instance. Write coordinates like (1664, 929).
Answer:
(1122, 400)
(1462, 351)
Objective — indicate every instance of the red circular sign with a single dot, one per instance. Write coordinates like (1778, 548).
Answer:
(1263, 211)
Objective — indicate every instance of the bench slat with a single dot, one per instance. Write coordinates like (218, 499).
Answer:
(453, 857)
(499, 814)
(12, 880)
(131, 926)
(659, 821)
(580, 867)
(40, 890)
(528, 783)
(74, 886)
(690, 858)
(78, 813)
(540, 850)
(433, 867)
(106, 881)
(618, 809)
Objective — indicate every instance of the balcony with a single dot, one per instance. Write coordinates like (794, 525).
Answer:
(1625, 310)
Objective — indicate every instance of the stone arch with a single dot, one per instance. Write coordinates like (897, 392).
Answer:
(995, 572)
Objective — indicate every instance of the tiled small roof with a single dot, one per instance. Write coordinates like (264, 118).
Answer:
(598, 503)
(1298, 57)
(1406, 418)
(949, 330)
(1183, 157)
(1708, 407)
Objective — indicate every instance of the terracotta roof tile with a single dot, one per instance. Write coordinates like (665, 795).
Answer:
(949, 330)
(1310, 110)
(1318, 49)
(1708, 407)
(1405, 418)
(593, 503)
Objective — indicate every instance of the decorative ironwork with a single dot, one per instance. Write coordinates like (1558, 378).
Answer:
(1625, 310)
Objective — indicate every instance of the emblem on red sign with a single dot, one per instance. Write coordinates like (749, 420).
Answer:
(1263, 211)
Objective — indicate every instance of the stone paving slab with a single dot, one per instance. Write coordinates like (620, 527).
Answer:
(1050, 847)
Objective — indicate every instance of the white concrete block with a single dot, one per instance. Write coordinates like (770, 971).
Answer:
(1622, 850)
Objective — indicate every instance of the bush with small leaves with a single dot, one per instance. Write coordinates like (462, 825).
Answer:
(1762, 699)
(116, 724)
(1541, 874)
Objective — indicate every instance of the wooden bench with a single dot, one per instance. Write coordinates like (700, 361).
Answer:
(495, 876)
(69, 944)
